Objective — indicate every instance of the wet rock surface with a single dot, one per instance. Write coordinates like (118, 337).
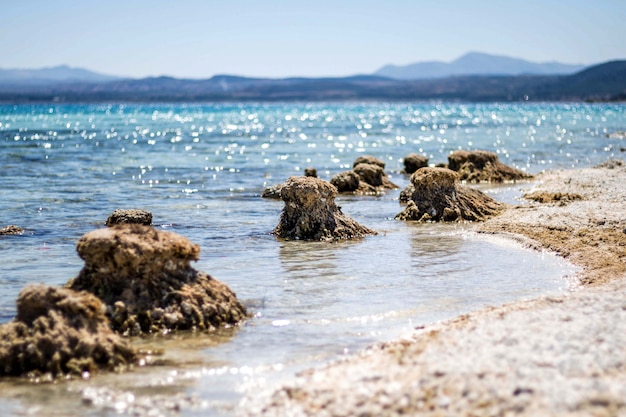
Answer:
(367, 177)
(144, 278)
(483, 166)
(310, 213)
(412, 162)
(436, 195)
(11, 230)
(59, 332)
(130, 216)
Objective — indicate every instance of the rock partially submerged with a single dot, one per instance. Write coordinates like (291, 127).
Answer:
(144, 277)
(11, 230)
(310, 213)
(436, 195)
(413, 162)
(59, 331)
(483, 166)
(130, 216)
(274, 190)
(367, 177)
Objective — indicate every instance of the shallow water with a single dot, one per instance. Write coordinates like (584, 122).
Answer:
(200, 171)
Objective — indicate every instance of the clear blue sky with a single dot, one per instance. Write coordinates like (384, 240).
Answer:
(198, 39)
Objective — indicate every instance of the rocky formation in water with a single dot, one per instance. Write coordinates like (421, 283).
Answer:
(274, 190)
(11, 230)
(143, 276)
(483, 166)
(130, 216)
(412, 162)
(310, 213)
(59, 331)
(367, 177)
(436, 195)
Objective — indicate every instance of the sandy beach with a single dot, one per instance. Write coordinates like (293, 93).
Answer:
(556, 355)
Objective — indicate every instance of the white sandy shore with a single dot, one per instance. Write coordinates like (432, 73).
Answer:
(552, 356)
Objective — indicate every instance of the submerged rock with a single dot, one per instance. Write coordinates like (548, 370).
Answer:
(131, 216)
(436, 195)
(59, 331)
(413, 162)
(274, 191)
(366, 178)
(310, 213)
(144, 277)
(346, 182)
(11, 230)
(483, 166)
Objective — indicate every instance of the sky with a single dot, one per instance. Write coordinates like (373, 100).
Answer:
(274, 38)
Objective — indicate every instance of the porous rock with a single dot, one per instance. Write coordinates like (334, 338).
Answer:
(310, 213)
(413, 162)
(272, 192)
(130, 216)
(11, 230)
(438, 196)
(483, 166)
(144, 277)
(59, 331)
(368, 159)
(346, 182)
(366, 178)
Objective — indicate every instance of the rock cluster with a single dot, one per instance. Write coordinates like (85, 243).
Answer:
(59, 331)
(367, 177)
(483, 166)
(131, 216)
(310, 213)
(144, 278)
(11, 230)
(436, 195)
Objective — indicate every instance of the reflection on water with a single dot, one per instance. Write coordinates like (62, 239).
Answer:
(200, 171)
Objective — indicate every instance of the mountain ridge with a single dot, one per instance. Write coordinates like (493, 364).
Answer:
(476, 63)
(603, 82)
(56, 74)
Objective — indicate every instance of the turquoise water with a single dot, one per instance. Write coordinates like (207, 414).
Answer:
(200, 170)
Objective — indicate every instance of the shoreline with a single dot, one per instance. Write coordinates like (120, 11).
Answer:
(554, 355)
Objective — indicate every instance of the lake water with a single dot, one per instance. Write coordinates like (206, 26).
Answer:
(200, 169)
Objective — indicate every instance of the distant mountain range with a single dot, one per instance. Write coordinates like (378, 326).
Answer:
(603, 82)
(475, 63)
(60, 74)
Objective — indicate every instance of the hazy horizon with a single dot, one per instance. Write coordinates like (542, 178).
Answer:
(277, 39)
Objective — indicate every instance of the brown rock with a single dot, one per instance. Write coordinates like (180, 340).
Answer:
(310, 213)
(413, 162)
(272, 192)
(310, 172)
(370, 174)
(11, 230)
(367, 159)
(437, 196)
(483, 166)
(551, 197)
(59, 331)
(346, 182)
(130, 216)
(144, 277)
